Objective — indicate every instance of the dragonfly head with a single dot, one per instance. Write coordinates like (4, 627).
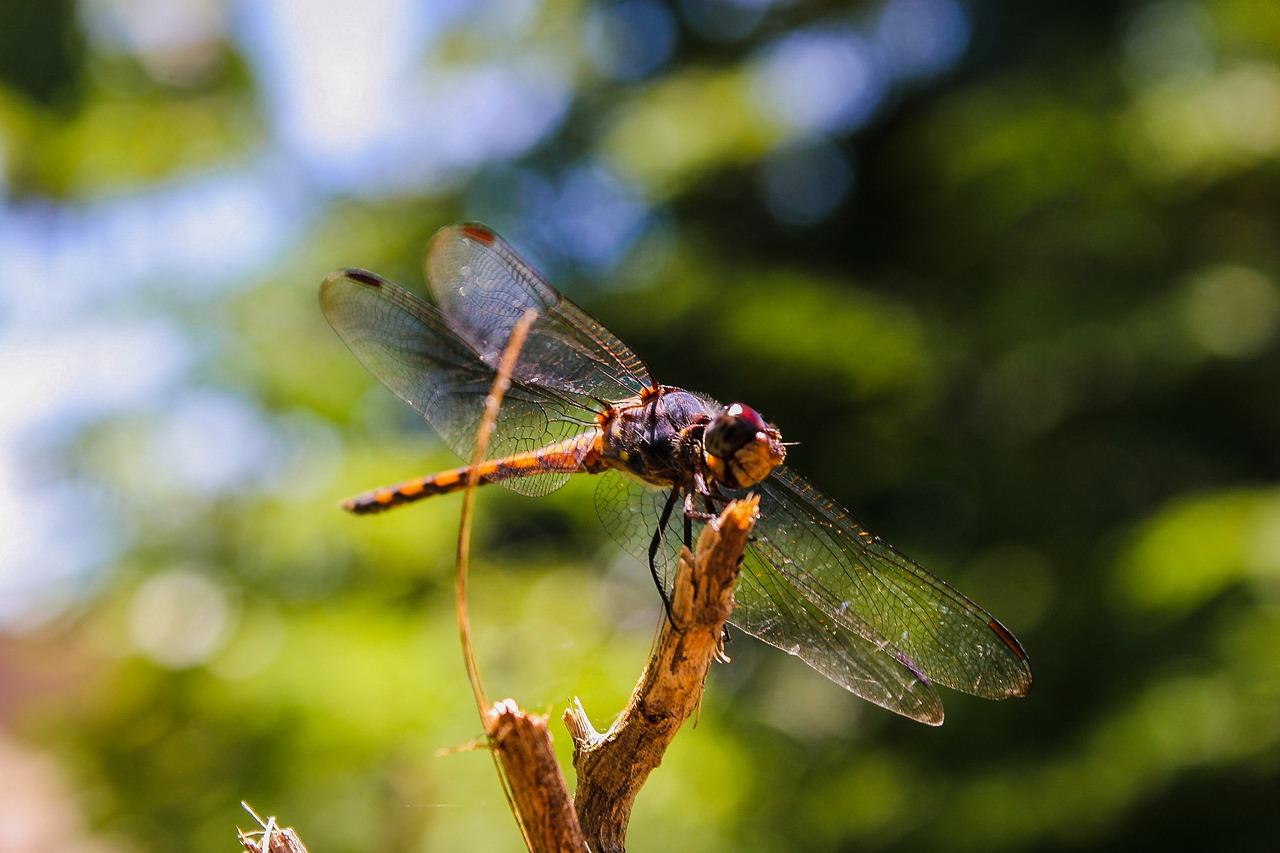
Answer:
(741, 449)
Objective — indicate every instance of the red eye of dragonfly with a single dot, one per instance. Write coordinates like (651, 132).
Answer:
(815, 582)
(732, 430)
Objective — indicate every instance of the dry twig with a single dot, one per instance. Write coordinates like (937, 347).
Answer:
(521, 744)
(612, 767)
(271, 838)
(533, 779)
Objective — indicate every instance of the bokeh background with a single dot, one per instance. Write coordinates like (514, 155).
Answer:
(1006, 271)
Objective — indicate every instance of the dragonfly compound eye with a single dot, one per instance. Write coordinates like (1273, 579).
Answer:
(733, 429)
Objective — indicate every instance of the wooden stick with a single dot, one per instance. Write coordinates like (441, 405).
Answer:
(522, 744)
(612, 767)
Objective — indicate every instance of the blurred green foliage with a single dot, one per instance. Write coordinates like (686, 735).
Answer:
(1035, 347)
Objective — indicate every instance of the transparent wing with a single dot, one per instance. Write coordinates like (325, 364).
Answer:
(771, 606)
(483, 288)
(841, 569)
(412, 349)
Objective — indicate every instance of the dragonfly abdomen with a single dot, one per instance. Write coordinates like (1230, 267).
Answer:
(386, 497)
(566, 457)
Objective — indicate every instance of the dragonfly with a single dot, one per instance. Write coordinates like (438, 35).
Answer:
(815, 582)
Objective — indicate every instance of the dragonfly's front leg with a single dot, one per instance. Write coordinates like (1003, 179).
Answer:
(698, 489)
(656, 543)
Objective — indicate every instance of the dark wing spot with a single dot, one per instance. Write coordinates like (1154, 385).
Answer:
(479, 233)
(364, 277)
(1006, 637)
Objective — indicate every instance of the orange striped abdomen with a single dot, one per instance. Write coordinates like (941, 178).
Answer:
(563, 457)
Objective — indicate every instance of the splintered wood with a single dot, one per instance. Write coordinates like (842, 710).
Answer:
(613, 766)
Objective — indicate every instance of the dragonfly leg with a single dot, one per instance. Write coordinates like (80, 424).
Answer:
(726, 637)
(691, 512)
(654, 544)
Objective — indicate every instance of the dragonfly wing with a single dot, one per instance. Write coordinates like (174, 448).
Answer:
(413, 350)
(630, 511)
(484, 288)
(853, 577)
(770, 607)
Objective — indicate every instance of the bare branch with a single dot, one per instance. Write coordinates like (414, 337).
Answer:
(533, 778)
(612, 767)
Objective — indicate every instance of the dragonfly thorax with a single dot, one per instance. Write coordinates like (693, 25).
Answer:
(657, 438)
